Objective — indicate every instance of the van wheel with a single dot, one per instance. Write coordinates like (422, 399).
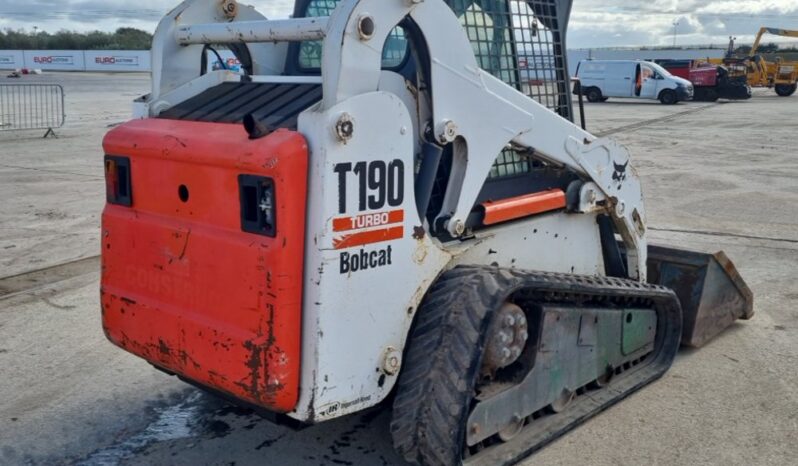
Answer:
(594, 95)
(668, 97)
(786, 90)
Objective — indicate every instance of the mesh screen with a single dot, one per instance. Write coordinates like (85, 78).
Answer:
(393, 53)
(310, 50)
(518, 41)
(534, 62)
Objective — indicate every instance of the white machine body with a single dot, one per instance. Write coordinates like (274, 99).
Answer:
(369, 256)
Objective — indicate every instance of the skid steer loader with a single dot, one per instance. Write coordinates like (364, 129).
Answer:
(383, 202)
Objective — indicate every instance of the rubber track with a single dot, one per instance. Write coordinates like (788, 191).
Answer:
(442, 361)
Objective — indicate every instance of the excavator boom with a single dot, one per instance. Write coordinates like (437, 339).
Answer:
(772, 31)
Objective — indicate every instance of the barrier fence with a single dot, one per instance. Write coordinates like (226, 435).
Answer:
(76, 60)
(31, 106)
(141, 60)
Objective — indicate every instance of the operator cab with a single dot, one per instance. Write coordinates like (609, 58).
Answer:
(517, 41)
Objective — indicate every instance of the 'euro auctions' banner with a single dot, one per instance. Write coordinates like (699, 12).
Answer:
(61, 60)
(11, 59)
(76, 60)
(117, 60)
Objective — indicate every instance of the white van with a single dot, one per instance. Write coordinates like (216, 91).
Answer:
(602, 79)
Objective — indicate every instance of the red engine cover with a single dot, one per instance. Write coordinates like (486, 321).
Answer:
(704, 77)
(182, 285)
(680, 71)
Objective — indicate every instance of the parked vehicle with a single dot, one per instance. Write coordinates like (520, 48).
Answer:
(778, 74)
(711, 82)
(602, 79)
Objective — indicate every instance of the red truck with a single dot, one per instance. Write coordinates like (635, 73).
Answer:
(711, 82)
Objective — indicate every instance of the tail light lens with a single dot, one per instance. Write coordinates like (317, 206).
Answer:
(258, 207)
(118, 189)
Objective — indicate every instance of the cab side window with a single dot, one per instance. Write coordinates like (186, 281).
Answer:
(393, 54)
(489, 33)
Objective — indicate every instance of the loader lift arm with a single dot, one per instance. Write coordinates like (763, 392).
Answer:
(461, 91)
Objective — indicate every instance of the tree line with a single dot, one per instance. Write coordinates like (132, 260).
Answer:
(121, 39)
(770, 47)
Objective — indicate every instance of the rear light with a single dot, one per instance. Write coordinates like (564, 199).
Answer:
(117, 181)
(258, 207)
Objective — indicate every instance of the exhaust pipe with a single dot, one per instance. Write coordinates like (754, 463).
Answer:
(255, 128)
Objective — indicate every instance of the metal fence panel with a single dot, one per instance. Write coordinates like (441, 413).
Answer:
(31, 106)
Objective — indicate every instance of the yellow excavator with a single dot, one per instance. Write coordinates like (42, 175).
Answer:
(778, 74)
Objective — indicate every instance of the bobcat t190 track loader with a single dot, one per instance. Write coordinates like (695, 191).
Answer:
(391, 197)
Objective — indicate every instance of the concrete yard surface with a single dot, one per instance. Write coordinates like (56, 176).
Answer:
(717, 176)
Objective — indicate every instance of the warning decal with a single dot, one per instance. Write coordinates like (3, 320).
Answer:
(369, 237)
(368, 220)
(389, 223)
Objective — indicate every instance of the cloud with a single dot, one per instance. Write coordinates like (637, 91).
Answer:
(106, 15)
(713, 25)
(594, 23)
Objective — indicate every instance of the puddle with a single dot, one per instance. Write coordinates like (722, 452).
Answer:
(171, 423)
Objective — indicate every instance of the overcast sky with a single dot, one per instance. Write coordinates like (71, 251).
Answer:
(594, 23)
